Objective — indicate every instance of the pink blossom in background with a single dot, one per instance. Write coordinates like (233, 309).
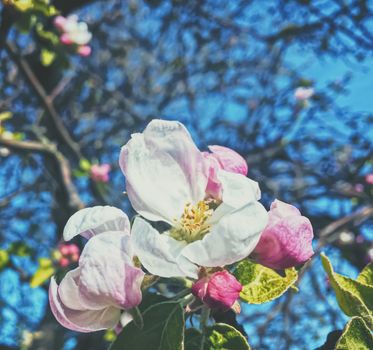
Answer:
(74, 32)
(287, 239)
(219, 291)
(92, 296)
(369, 179)
(69, 254)
(84, 51)
(222, 158)
(303, 93)
(359, 188)
(100, 172)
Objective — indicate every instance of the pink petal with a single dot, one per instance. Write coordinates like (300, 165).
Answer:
(84, 50)
(66, 39)
(287, 239)
(229, 160)
(59, 22)
(78, 320)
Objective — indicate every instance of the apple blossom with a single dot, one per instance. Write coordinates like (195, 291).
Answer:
(100, 173)
(287, 239)
(69, 253)
(166, 180)
(74, 33)
(222, 158)
(369, 179)
(219, 291)
(92, 296)
(303, 93)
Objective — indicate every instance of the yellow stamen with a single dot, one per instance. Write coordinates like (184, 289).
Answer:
(193, 225)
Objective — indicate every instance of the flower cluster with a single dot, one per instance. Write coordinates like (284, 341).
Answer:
(74, 33)
(211, 216)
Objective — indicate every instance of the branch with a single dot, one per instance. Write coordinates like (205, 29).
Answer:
(63, 166)
(45, 99)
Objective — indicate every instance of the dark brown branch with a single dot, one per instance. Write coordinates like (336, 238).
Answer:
(47, 102)
(63, 166)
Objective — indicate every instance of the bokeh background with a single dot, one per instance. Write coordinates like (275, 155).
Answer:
(229, 70)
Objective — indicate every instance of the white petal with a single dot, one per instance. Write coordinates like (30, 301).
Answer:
(231, 239)
(238, 190)
(157, 252)
(89, 222)
(79, 320)
(164, 171)
(68, 291)
(108, 276)
(174, 139)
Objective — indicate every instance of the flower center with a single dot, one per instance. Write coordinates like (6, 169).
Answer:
(193, 225)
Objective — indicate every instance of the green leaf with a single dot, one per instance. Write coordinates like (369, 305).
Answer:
(4, 258)
(20, 249)
(366, 275)
(43, 273)
(23, 5)
(225, 337)
(220, 336)
(163, 329)
(85, 164)
(354, 297)
(262, 284)
(193, 339)
(356, 335)
(5, 116)
(47, 57)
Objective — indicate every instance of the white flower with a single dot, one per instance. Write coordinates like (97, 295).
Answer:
(74, 32)
(166, 180)
(303, 93)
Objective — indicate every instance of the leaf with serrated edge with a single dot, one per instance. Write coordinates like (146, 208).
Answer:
(220, 336)
(354, 298)
(262, 284)
(163, 329)
(356, 335)
(366, 275)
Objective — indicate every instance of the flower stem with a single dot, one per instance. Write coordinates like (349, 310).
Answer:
(205, 314)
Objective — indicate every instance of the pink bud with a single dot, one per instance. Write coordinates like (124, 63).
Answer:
(218, 291)
(222, 158)
(84, 51)
(59, 22)
(64, 262)
(100, 173)
(287, 239)
(65, 39)
(64, 249)
(369, 179)
(74, 249)
(75, 257)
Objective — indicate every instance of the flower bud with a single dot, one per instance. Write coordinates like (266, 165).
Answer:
(303, 93)
(369, 179)
(287, 239)
(84, 50)
(100, 173)
(218, 291)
